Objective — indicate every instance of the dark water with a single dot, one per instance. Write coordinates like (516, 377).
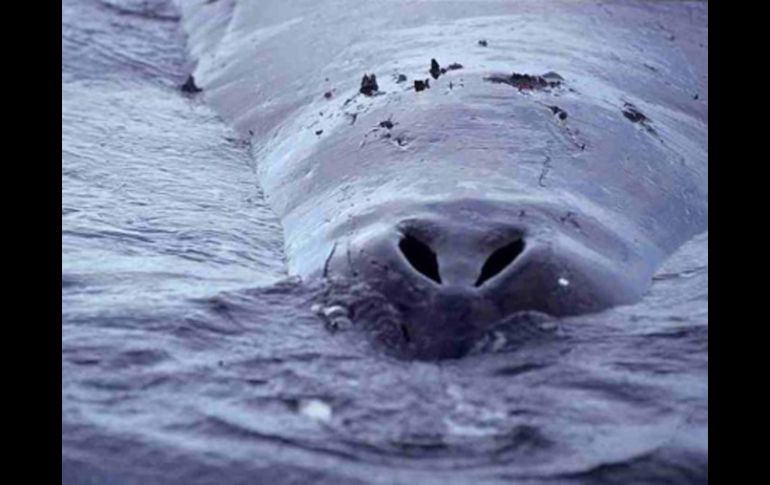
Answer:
(189, 356)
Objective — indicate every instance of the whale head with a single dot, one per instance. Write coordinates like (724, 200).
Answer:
(449, 271)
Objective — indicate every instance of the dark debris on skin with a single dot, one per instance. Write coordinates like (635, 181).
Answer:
(527, 82)
(190, 87)
(369, 85)
(436, 70)
(633, 114)
(560, 113)
(421, 85)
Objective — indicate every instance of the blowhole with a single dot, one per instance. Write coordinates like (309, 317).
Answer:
(499, 260)
(420, 256)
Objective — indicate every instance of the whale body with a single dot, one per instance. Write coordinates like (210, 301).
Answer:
(551, 169)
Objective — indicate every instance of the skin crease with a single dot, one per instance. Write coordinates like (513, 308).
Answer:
(599, 198)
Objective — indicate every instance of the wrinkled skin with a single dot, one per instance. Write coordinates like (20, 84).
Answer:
(596, 199)
(557, 273)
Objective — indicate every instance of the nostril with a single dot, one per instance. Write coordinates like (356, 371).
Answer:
(420, 256)
(499, 260)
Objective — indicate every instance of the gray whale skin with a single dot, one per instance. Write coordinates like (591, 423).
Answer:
(478, 203)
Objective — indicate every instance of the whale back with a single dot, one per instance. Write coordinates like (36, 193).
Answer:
(630, 151)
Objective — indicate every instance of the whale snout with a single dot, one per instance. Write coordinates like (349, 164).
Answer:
(450, 279)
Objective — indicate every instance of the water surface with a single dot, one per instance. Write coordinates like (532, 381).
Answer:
(190, 356)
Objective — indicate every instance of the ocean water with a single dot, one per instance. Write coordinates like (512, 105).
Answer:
(189, 355)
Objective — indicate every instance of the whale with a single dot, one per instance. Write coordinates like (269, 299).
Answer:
(467, 161)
